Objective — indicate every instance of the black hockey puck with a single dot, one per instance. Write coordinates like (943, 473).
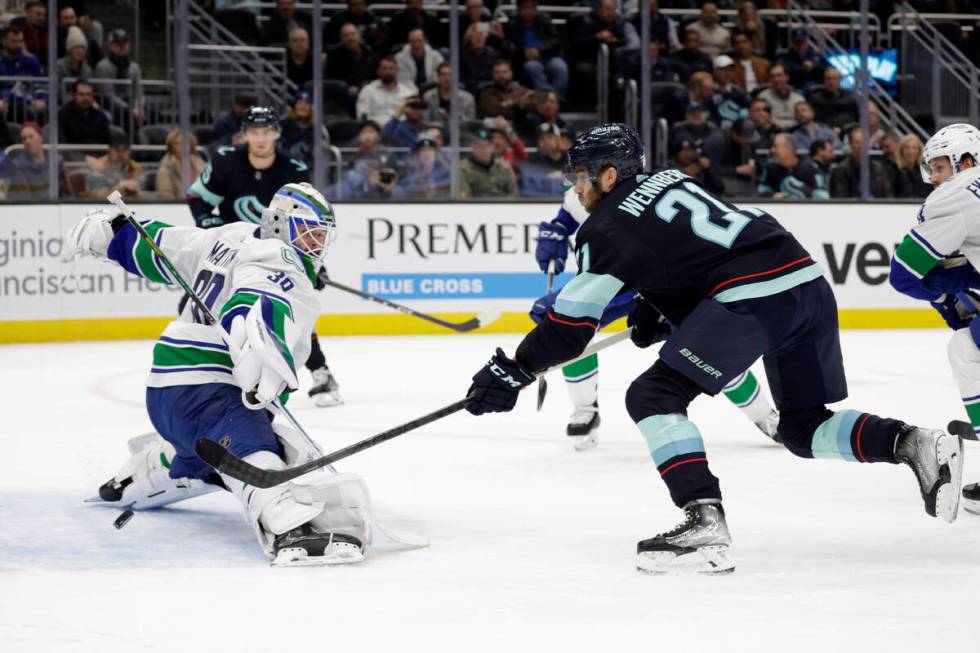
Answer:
(123, 519)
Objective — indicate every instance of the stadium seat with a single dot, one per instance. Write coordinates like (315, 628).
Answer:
(153, 134)
(14, 130)
(118, 132)
(344, 131)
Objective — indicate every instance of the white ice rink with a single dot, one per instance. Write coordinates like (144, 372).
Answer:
(532, 542)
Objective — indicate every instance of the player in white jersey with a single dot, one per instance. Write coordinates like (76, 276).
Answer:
(938, 260)
(218, 381)
(582, 377)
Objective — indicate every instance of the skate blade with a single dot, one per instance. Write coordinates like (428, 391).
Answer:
(585, 442)
(971, 506)
(949, 452)
(336, 554)
(327, 400)
(708, 560)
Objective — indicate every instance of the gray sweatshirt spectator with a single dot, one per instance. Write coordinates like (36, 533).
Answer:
(122, 97)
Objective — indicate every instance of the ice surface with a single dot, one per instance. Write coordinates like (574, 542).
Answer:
(532, 542)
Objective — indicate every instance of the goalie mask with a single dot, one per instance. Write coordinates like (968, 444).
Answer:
(953, 141)
(301, 217)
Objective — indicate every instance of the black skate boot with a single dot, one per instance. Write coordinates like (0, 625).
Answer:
(971, 498)
(325, 391)
(303, 546)
(699, 545)
(583, 426)
(937, 461)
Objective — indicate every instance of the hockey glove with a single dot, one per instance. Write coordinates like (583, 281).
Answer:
(956, 314)
(552, 246)
(321, 278)
(91, 236)
(649, 326)
(495, 387)
(262, 367)
(951, 280)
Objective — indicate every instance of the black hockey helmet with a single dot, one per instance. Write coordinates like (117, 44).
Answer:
(260, 117)
(613, 144)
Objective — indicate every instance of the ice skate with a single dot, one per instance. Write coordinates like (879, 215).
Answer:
(699, 545)
(769, 425)
(583, 427)
(971, 498)
(325, 391)
(304, 546)
(936, 458)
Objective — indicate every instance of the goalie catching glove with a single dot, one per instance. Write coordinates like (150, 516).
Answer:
(262, 365)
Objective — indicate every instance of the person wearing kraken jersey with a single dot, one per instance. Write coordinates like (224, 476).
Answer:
(938, 259)
(219, 381)
(738, 287)
(238, 184)
(582, 378)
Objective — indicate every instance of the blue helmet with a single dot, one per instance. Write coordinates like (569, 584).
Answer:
(613, 144)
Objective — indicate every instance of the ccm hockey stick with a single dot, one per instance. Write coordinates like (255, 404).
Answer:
(543, 382)
(116, 200)
(227, 463)
(482, 319)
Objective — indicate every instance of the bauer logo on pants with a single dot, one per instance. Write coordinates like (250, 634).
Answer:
(701, 365)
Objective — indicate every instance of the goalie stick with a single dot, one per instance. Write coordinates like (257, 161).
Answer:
(482, 319)
(963, 429)
(115, 198)
(227, 463)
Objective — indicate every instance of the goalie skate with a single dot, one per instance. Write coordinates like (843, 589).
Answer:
(937, 461)
(305, 547)
(583, 426)
(699, 545)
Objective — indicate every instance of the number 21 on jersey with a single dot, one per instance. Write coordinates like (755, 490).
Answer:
(696, 201)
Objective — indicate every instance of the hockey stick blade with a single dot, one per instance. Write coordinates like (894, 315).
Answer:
(228, 463)
(963, 429)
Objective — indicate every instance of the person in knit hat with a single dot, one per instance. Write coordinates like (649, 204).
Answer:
(73, 64)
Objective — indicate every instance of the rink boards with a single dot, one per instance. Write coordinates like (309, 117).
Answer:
(452, 260)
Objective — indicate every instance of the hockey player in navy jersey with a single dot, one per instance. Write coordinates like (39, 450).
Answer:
(239, 183)
(216, 381)
(582, 378)
(738, 287)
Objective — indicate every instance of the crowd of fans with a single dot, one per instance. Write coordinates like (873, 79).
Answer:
(752, 110)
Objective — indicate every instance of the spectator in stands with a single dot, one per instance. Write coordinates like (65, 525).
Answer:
(417, 61)
(482, 174)
(231, 123)
(358, 15)
(93, 32)
(125, 98)
(878, 133)
(908, 158)
(700, 89)
(803, 64)
(809, 130)
(537, 49)
(708, 139)
(477, 62)
(372, 175)
(690, 59)
(782, 97)
(438, 98)
(476, 18)
(284, 19)
(73, 64)
(35, 27)
(715, 38)
(662, 69)
(405, 126)
(603, 26)
(822, 155)
(748, 22)
(662, 27)
(409, 18)
(427, 172)
(760, 114)
(168, 181)
(832, 104)
(546, 109)
(549, 158)
(845, 180)
(738, 167)
(296, 129)
(114, 171)
(299, 59)
(751, 70)
(787, 176)
(381, 99)
(66, 20)
(689, 159)
(728, 101)
(24, 175)
(17, 99)
(507, 145)
(80, 121)
(351, 61)
(505, 96)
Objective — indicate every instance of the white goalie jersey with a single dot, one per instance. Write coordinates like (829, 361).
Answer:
(229, 268)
